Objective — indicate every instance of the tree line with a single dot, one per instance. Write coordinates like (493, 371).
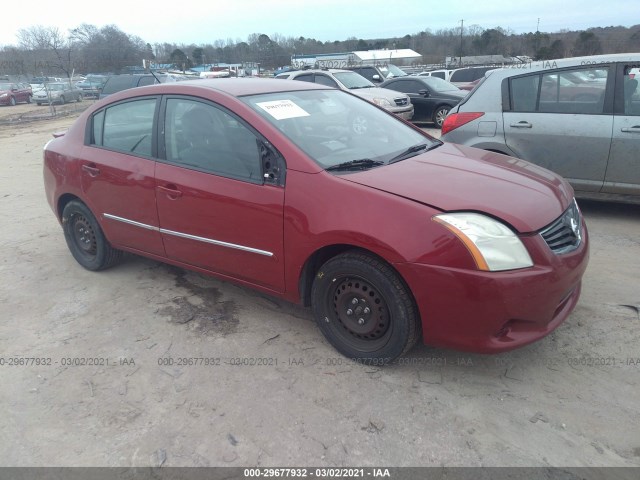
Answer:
(42, 50)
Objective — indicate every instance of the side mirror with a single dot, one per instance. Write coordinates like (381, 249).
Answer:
(424, 93)
(376, 78)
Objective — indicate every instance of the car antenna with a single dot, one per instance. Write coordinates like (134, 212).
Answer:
(154, 76)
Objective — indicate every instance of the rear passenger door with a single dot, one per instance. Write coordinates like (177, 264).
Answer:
(561, 120)
(623, 171)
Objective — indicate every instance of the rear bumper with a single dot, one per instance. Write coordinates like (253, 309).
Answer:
(491, 312)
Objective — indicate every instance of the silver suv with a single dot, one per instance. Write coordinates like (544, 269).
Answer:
(579, 117)
(395, 102)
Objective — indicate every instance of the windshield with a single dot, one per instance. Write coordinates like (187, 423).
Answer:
(439, 85)
(56, 86)
(333, 127)
(391, 71)
(353, 80)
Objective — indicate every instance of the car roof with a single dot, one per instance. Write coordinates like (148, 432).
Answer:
(592, 61)
(236, 87)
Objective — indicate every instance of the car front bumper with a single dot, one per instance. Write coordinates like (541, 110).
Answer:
(492, 312)
(404, 113)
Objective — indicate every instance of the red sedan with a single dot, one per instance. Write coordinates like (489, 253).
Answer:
(317, 196)
(12, 93)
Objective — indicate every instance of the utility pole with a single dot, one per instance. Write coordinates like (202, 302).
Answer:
(461, 30)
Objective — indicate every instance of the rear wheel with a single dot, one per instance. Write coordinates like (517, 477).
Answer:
(63, 100)
(364, 309)
(85, 238)
(440, 114)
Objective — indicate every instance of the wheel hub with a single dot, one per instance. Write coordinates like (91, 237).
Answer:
(360, 309)
(84, 235)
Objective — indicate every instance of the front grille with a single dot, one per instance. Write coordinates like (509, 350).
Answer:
(565, 234)
(401, 102)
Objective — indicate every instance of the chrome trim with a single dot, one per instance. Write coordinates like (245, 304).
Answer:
(131, 222)
(217, 242)
(188, 236)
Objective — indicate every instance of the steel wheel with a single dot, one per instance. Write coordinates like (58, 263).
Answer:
(85, 238)
(364, 309)
(360, 312)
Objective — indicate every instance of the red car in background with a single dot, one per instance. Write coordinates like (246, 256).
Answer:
(387, 233)
(12, 93)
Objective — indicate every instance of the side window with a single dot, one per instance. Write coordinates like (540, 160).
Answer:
(308, 77)
(203, 137)
(438, 74)
(574, 91)
(324, 80)
(524, 93)
(146, 81)
(126, 127)
(367, 73)
(631, 92)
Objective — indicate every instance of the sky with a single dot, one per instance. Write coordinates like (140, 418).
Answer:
(202, 22)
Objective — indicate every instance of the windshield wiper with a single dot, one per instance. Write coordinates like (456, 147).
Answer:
(411, 151)
(362, 164)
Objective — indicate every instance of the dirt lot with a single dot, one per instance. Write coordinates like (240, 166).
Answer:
(568, 400)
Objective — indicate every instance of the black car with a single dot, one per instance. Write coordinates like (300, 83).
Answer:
(116, 83)
(432, 97)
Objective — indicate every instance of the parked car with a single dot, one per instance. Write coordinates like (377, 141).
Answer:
(397, 103)
(389, 234)
(463, 77)
(432, 97)
(377, 73)
(92, 86)
(443, 74)
(117, 83)
(61, 92)
(38, 83)
(12, 93)
(587, 131)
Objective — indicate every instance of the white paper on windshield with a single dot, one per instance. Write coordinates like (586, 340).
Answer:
(282, 109)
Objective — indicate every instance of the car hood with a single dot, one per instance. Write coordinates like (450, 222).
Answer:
(376, 92)
(456, 178)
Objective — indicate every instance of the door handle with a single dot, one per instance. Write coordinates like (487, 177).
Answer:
(521, 124)
(634, 129)
(171, 191)
(92, 170)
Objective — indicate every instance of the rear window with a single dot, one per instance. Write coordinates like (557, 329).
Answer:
(115, 84)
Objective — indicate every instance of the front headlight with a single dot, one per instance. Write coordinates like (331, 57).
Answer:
(4, 95)
(382, 102)
(493, 246)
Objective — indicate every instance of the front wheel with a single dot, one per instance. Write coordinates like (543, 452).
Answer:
(28, 98)
(12, 101)
(80, 98)
(440, 114)
(85, 238)
(63, 100)
(364, 309)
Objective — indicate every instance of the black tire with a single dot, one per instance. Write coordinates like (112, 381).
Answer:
(28, 98)
(12, 101)
(439, 115)
(364, 309)
(39, 104)
(63, 100)
(80, 98)
(85, 238)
